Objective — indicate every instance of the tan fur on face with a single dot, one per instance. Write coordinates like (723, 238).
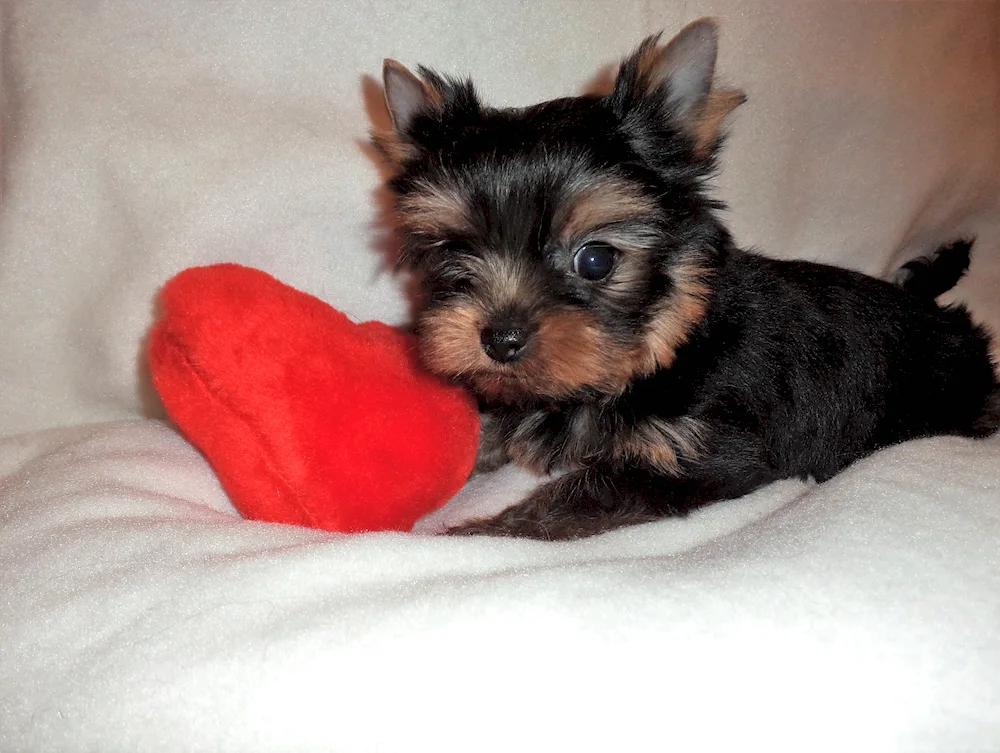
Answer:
(612, 211)
(435, 210)
(578, 353)
(568, 352)
(605, 203)
(502, 282)
(449, 340)
(674, 319)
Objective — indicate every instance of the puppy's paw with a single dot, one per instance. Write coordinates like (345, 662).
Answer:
(575, 505)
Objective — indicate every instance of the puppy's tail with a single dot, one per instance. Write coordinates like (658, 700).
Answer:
(932, 274)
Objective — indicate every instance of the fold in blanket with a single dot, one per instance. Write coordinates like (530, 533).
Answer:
(141, 614)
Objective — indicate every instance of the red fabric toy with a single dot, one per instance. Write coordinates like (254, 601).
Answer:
(307, 417)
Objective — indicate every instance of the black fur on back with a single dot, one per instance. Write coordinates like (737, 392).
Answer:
(821, 365)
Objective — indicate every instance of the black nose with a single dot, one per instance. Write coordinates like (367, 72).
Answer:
(506, 343)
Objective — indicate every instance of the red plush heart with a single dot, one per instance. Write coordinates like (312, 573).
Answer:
(307, 417)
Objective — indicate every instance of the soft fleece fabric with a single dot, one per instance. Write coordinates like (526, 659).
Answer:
(138, 612)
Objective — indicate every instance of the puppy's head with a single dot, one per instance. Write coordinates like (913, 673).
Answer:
(566, 248)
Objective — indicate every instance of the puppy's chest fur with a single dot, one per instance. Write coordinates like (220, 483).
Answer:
(573, 436)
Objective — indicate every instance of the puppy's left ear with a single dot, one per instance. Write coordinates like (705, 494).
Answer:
(684, 67)
(680, 75)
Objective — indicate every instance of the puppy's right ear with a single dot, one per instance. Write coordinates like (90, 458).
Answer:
(406, 95)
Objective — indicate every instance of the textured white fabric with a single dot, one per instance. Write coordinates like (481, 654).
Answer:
(139, 613)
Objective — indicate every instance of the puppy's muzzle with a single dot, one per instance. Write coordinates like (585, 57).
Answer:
(507, 340)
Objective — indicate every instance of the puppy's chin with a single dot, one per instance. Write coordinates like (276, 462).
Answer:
(504, 388)
(526, 389)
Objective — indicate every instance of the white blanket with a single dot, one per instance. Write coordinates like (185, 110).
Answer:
(139, 613)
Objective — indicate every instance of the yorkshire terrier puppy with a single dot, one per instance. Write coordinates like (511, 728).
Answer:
(580, 283)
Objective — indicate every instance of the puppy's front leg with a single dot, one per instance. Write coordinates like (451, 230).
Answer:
(578, 504)
(493, 453)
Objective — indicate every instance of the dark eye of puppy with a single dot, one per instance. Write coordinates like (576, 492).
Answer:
(594, 260)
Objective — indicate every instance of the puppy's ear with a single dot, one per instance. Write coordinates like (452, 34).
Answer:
(680, 76)
(684, 67)
(406, 95)
(706, 126)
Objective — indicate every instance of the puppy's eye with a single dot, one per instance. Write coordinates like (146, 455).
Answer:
(594, 260)
(451, 247)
